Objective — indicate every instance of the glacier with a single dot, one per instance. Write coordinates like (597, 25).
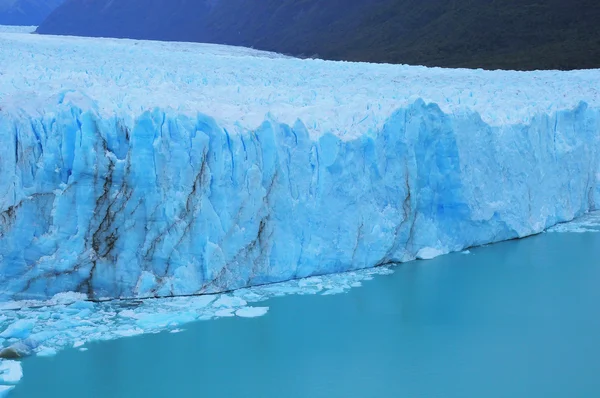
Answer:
(135, 169)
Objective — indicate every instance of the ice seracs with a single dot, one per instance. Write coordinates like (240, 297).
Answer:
(144, 169)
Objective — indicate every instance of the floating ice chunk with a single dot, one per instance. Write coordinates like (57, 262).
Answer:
(128, 314)
(46, 352)
(466, 252)
(229, 301)
(83, 349)
(163, 320)
(40, 337)
(251, 312)
(199, 302)
(10, 372)
(128, 332)
(228, 312)
(312, 281)
(21, 329)
(380, 271)
(249, 295)
(176, 331)
(4, 390)
(335, 290)
(428, 253)
(282, 289)
(78, 344)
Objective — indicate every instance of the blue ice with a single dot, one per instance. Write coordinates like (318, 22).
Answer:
(145, 169)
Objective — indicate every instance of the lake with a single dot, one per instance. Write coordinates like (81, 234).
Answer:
(514, 319)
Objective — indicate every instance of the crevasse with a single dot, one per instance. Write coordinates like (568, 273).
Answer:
(166, 204)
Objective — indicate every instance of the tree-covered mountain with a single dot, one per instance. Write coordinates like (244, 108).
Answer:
(508, 34)
(26, 12)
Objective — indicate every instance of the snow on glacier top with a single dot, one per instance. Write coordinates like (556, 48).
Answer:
(240, 86)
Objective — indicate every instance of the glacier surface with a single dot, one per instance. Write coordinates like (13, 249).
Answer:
(146, 169)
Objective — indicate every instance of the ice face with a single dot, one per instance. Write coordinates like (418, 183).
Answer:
(171, 205)
(134, 169)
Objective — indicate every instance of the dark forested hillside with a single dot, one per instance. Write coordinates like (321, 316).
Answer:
(25, 12)
(507, 34)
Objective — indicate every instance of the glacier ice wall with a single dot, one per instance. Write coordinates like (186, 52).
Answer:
(166, 204)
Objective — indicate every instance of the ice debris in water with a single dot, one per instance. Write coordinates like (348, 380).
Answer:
(4, 390)
(67, 321)
(251, 312)
(587, 223)
(10, 374)
(20, 329)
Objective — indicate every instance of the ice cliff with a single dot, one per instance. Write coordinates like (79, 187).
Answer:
(191, 169)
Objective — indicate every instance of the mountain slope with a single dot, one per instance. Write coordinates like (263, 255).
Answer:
(26, 12)
(510, 34)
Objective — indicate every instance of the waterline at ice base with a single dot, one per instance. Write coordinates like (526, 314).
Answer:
(141, 169)
(488, 293)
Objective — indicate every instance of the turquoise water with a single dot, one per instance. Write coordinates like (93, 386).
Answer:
(516, 319)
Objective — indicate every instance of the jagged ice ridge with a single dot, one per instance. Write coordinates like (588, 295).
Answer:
(143, 169)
